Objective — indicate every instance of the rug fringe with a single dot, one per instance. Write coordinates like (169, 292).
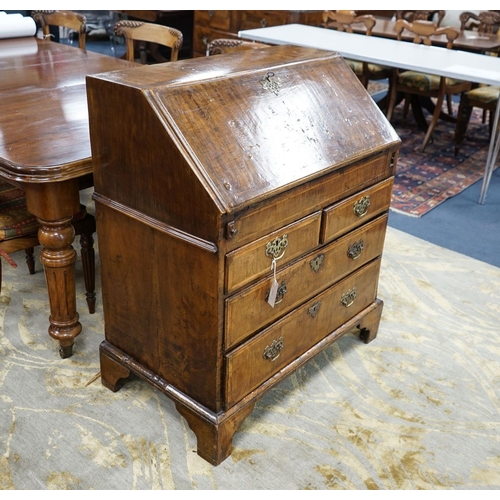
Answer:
(404, 213)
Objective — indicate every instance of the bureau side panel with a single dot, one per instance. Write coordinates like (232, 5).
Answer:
(160, 302)
(138, 162)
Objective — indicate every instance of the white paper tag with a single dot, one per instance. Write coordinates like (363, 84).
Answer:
(274, 286)
(272, 293)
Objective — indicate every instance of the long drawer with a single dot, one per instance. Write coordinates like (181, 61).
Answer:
(258, 359)
(248, 311)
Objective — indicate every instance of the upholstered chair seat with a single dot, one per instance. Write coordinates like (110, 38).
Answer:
(425, 82)
(484, 97)
(487, 94)
(374, 69)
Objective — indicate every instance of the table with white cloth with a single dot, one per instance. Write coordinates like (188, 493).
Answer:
(476, 68)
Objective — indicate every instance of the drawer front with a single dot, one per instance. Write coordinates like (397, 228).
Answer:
(218, 19)
(261, 18)
(308, 198)
(252, 261)
(260, 358)
(249, 311)
(355, 210)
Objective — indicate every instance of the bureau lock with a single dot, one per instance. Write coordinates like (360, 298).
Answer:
(316, 262)
(314, 309)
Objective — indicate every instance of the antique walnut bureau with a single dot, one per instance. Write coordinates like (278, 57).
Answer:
(241, 205)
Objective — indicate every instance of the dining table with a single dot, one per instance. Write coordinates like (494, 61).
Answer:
(45, 150)
(459, 64)
(468, 40)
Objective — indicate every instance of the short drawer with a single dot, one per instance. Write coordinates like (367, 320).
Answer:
(249, 311)
(253, 261)
(263, 356)
(355, 210)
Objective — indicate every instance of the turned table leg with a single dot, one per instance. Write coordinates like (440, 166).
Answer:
(58, 258)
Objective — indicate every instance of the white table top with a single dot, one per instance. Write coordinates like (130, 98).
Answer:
(469, 66)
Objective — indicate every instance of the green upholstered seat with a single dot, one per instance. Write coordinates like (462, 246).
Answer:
(357, 67)
(487, 94)
(423, 81)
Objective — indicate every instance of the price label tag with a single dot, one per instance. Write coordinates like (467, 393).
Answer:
(274, 286)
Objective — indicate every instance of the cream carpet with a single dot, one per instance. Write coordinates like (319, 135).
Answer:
(418, 408)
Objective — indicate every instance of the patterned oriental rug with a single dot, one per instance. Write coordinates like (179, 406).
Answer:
(425, 180)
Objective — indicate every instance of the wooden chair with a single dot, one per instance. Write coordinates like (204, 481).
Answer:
(230, 45)
(421, 15)
(485, 22)
(484, 97)
(414, 83)
(342, 20)
(156, 34)
(19, 228)
(63, 18)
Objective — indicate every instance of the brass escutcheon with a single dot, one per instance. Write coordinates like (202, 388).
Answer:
(314, 309)
(348, 297)
(272, 352)
(280, 294)
(354, 250)
(271, 85)
(361, 206)
(276, 248)
(316, 263)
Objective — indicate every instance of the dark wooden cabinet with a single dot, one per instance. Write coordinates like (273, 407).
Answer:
(241, 206)
(212, 24)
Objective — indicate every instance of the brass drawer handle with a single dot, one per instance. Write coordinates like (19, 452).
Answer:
(354, 250)
(280, 294)
(314, 309)
(347, 299)
(361, 206)
(316, 263)
(276, 248)
(273, 351)
(263, 22)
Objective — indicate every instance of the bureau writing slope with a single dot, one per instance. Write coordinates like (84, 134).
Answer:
(241, 205)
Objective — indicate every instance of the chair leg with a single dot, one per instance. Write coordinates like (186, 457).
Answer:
(392, 95)
(406, 107)
(463, 117)
(88, 259)
(450, 105)
(88, 265)
(30, 261)
(432, 125)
